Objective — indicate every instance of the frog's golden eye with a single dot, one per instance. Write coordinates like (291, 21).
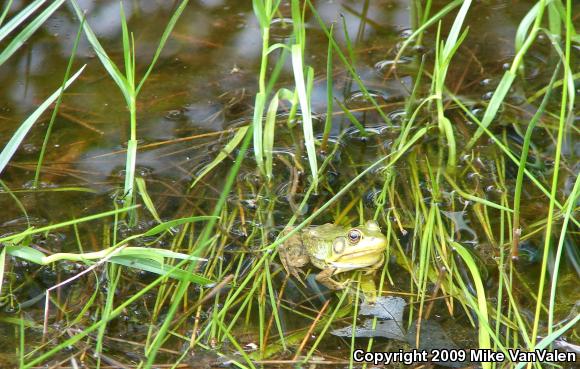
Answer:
(354, 236)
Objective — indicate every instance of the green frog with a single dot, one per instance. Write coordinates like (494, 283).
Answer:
(335, 249)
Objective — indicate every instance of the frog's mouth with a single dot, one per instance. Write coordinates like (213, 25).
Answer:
(357, 259)
(373, 246)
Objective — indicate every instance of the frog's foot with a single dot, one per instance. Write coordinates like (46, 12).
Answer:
(325, 278)
(292, 261)
(295, 272)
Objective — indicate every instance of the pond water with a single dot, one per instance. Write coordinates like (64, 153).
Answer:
(200, 93)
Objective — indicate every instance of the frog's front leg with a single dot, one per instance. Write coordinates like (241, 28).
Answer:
(325, 278)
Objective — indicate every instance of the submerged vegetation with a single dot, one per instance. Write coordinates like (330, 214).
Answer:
(158, 247)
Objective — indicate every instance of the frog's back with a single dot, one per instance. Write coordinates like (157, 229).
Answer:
(319, 240)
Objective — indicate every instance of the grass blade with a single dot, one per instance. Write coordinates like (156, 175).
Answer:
(297, 66)
(22, 131)
(494, 106)
(258, 129)
(166, 33)
(7, 7)
(224, 153)
(56, 108)
(483, 321)
(32, 231)
(174, 223)
(2, 263)
(142, 187)
(19, 18)
(269, 129)
(111, 68)
(23, 36)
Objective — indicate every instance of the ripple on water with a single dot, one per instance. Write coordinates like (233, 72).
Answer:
(383, 67)
(281, 28)
(359, 99)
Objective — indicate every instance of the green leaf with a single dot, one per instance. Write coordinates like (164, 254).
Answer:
(27, 253)
(451, 41)
(2, 262)
(166, 33)
(155, 253)
(257, 123)
(102, 55)
(20, 236)
(483, 321)
(298, 68)
(260, 12)
(25, 34)
(142, 187)
(19, 18)
(494, 106)
(269, 129)
(160, 269)
(130, 162)
(22, 131)
(526, 23)
(227, 150)
(174, 223)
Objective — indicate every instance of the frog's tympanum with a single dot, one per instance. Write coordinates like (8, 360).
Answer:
(334, 249)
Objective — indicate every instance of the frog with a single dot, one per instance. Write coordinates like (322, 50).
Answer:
(335, 249)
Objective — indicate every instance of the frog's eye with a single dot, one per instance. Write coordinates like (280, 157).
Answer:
(354, 236)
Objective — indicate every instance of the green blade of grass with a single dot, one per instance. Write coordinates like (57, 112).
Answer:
(224, 153)
(130, 163)
(2, 264)
(419, 31)
(111, 68)
(494, 105)
(166, 33)
(525, 25)
(14, 142)
(523, 160)
(329, 92)
(113, 277)
(574, 196)
(566, 114)
(176, 222)
(19, 204)
(32, 231)
(546, 341)
(19, 18)
(483, 321)
(142, 187)
(56, 108)
(163, 269)
(352, 118)
(127, 53)
(7, 7)
(25, 34)
(298, 68)
(453, 36)
(269, 128)
(258, 130)
(202, 243)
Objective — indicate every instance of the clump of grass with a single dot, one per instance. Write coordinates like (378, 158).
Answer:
(127, 82)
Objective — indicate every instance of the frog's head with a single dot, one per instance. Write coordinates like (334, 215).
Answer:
(359, 247)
